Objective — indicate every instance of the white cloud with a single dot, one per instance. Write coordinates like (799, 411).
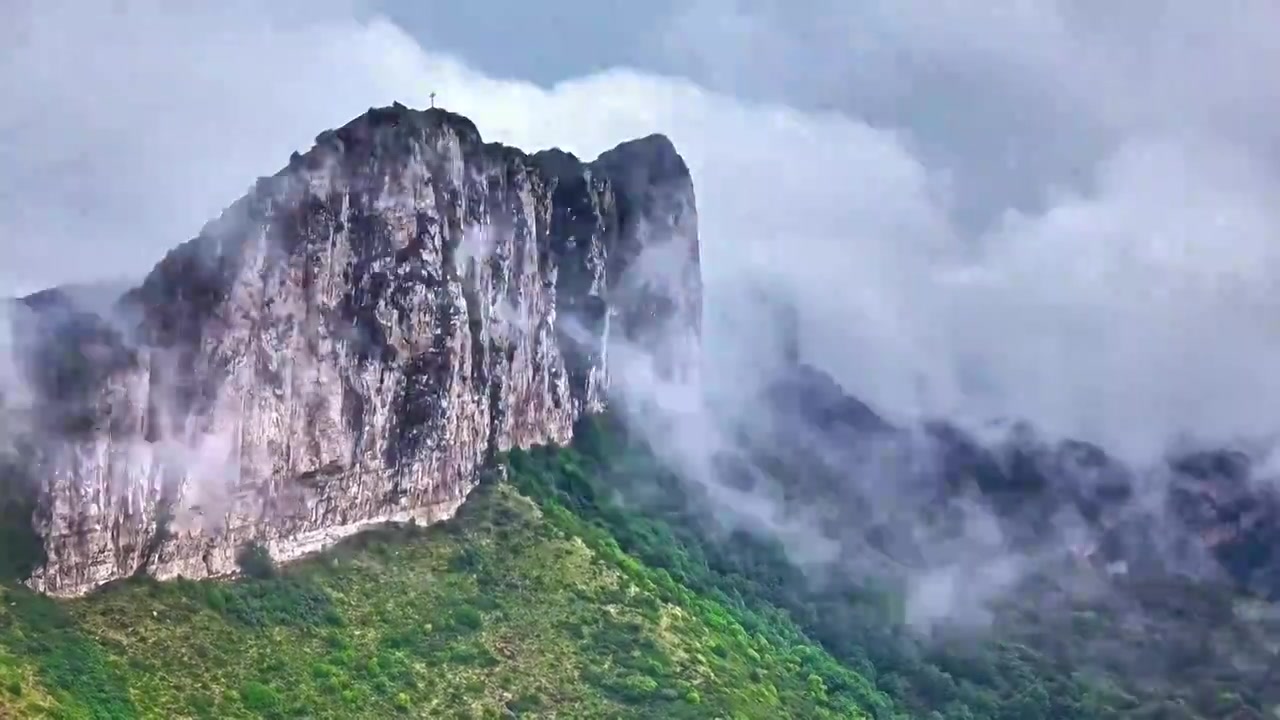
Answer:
(1129, 308)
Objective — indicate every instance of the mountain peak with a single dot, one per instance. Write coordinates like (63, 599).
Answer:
(350, 343)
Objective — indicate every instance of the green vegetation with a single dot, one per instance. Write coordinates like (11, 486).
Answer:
(511, 608)
(752, 577)
(1154, 648)
(545, 597)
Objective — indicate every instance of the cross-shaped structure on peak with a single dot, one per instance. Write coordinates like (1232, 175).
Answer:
(433, 99)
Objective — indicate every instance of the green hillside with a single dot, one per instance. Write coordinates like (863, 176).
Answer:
(513, 607)
(575, 583)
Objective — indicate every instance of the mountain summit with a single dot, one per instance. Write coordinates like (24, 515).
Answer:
(347, 344)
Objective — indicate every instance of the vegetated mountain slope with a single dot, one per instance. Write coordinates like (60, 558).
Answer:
(587, 582)
(1070, 640)
(523, 604)
(1101, 615)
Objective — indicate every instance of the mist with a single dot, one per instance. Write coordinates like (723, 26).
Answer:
(1062, 213)
(1125, 299)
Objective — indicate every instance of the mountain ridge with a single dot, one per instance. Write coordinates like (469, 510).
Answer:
(346, 344)
(1203, 512)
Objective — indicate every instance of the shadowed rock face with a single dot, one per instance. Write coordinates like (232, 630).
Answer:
(345, 345)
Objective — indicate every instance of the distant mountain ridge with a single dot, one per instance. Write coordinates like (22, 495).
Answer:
(1207, 511)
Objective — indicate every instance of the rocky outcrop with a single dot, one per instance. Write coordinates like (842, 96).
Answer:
(348, 344)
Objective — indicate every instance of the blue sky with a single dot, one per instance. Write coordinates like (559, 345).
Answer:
(1058, 210)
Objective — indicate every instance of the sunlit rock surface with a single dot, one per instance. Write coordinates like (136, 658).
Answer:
(346, 345)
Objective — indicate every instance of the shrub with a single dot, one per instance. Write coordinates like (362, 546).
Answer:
(255, 561)
(469, 618)
(259, 698)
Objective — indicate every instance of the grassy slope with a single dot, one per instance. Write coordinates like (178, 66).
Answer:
(510, 607)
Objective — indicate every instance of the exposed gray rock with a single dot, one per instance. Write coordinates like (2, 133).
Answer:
(347, 344)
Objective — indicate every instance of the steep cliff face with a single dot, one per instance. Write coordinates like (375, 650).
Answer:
(346, 345)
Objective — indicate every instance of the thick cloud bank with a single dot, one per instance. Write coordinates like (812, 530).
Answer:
(1059, 211)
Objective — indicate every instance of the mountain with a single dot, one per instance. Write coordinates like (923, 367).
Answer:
(406, 317)
(347, 344)
(912, 496)
(1154, 587)
(589, 582)
(1212, 514)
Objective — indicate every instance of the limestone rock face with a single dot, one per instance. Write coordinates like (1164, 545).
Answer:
(347, 344)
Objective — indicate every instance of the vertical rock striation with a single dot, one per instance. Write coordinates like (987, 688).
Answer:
(347, 344)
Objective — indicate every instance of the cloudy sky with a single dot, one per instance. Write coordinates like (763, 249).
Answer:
(1059, 210)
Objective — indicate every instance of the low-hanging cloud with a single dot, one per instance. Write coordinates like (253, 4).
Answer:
(1104, 173)
(1119, 286)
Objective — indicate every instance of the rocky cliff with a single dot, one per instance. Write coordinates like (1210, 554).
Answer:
(345, 345)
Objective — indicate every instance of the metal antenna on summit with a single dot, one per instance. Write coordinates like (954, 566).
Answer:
(433, 100)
